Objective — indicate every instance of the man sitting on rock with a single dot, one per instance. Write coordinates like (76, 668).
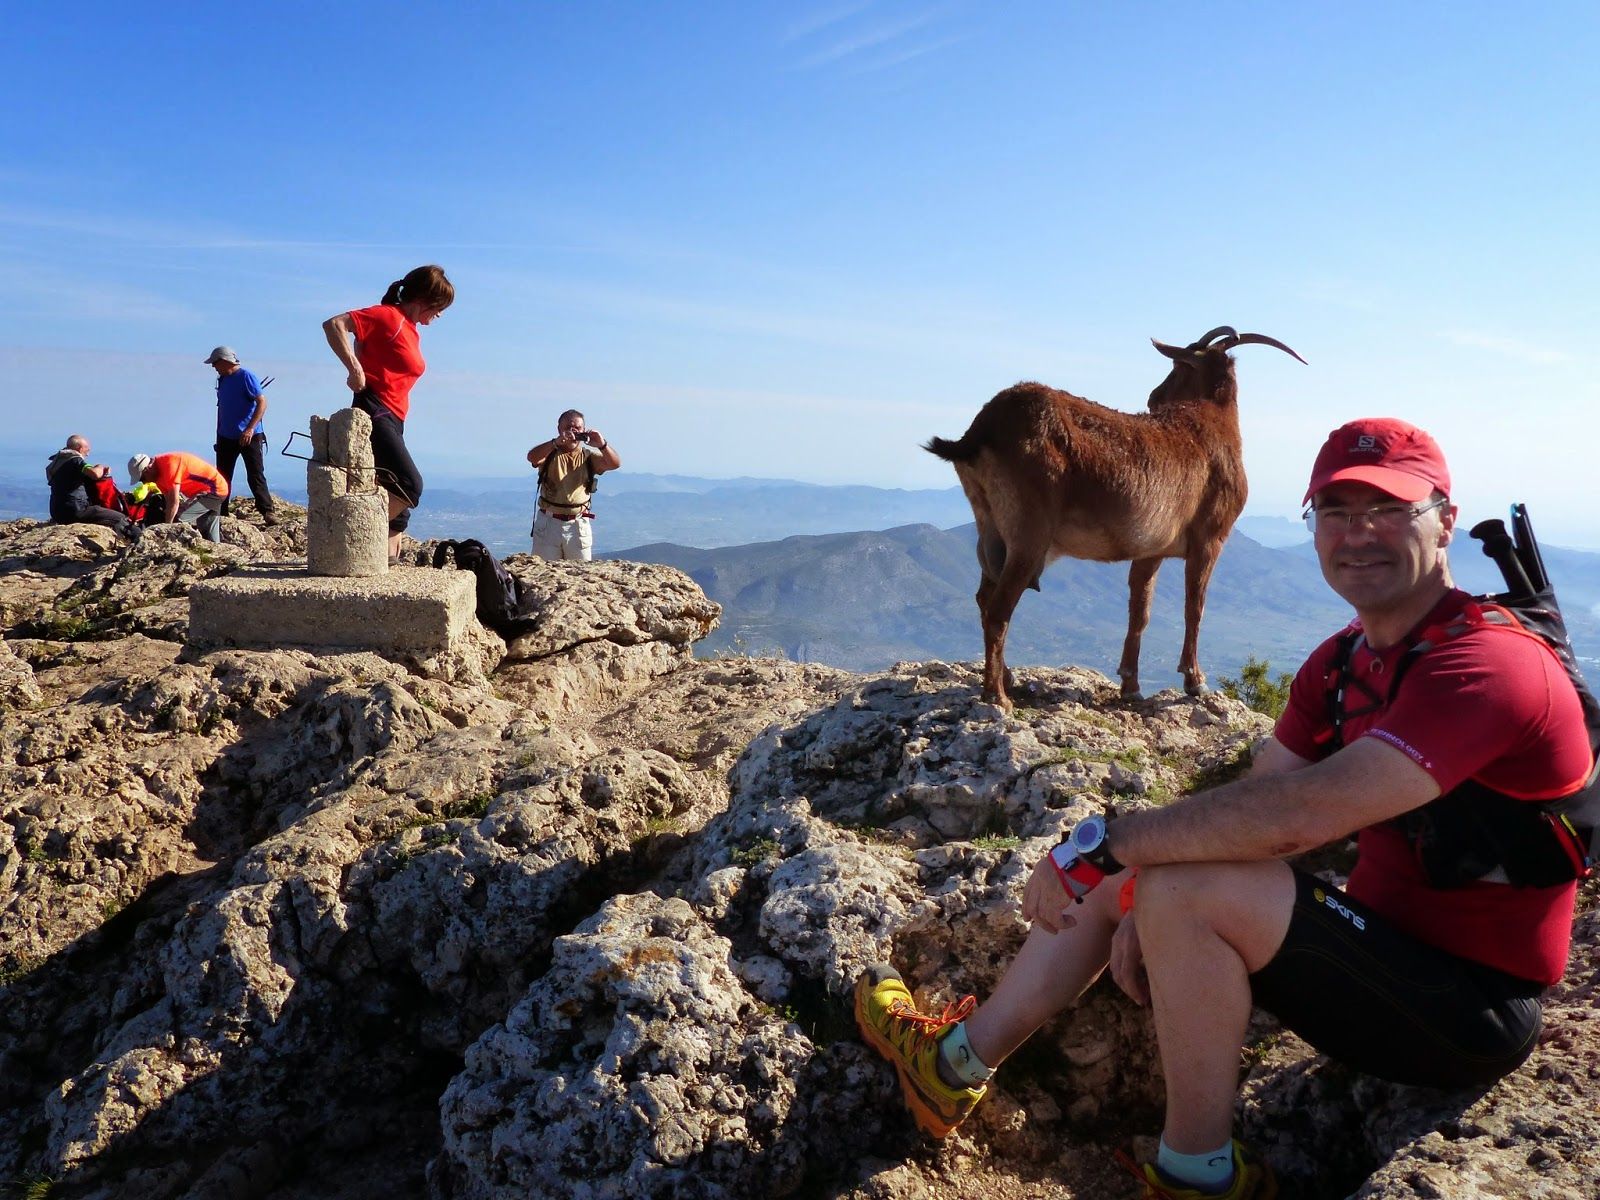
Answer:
(1428, 970)
(70, 477)
(192, 490)
(567, 465)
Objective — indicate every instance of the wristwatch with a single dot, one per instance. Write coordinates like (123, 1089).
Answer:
(1082, 858)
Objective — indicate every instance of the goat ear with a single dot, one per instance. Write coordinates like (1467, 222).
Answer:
(1176, 353)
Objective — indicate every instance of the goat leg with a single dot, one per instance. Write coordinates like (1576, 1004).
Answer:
(996, 613)
(1197, 568)
(1141, 589)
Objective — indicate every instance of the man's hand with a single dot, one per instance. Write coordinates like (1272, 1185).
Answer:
(1127, 962)
(246, 438)
(1045, 901)
(357, 379)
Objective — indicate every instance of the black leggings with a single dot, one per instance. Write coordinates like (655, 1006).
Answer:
(397, 474)
(1363, 992)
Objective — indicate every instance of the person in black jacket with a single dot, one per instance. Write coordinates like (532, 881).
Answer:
(69, 475)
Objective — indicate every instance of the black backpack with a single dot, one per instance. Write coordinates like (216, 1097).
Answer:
(501, 604)
(1472, 830)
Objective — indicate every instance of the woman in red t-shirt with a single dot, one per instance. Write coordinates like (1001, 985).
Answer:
(380, 348)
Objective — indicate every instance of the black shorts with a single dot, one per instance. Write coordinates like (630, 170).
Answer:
(1363, 992)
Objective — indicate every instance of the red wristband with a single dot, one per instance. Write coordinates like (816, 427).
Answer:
(1078, 875)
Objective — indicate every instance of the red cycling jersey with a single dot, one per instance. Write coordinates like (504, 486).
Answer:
(1492, 705)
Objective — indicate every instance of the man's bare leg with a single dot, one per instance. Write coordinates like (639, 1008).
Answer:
(1050, 972)
(1203, 928)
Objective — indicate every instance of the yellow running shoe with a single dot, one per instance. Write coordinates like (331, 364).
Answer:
(889, 1021)
(1251, 1181)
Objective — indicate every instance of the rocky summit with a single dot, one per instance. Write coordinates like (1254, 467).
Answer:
(577, 914)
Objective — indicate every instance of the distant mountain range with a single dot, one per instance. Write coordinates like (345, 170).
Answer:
(633, 508)
(865, 600)
(795, 575)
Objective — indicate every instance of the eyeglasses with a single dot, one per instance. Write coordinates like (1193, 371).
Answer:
(1384, 518)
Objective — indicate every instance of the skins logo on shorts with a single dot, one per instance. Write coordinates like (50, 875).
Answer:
(1327, 901)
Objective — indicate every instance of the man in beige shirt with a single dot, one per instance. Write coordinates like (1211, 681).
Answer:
(567, 466)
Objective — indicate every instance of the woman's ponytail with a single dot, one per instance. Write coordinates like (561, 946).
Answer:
(426, 284)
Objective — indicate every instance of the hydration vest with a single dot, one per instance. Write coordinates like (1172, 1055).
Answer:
(1473, 831)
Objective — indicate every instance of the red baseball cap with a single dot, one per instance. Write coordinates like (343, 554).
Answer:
(1389, 454)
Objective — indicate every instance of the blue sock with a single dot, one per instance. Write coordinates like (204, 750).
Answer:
(1209, 1172)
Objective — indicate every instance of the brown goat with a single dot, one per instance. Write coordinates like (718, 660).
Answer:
(1050, 474)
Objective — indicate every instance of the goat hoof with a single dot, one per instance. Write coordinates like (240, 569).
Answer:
(1132, 696)
(1198, 689)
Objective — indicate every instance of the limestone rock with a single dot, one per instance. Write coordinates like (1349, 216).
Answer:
(600, 631)
(637, 1066)
(144, 590)
(18, 688)
(624, 603)
(287, 924)
(40, 561)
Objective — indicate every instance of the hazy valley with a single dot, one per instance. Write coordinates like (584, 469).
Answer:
(862, 577)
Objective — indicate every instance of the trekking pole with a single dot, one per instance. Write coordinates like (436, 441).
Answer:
(1497, 544)
(1528, 547)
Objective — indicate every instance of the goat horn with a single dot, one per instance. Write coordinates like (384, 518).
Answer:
(1256, 339)
(1188, 354)
(1204, 340)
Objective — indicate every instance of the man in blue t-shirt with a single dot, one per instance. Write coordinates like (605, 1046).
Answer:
(240, 407)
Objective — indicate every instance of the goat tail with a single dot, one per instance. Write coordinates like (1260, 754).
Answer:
(953, 452)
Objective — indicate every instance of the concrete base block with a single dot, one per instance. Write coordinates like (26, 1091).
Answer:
(410, 613)
(349, 536)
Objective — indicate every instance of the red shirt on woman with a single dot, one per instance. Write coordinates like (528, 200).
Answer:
(390, 353)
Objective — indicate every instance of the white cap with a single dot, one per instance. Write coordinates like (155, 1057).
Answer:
(222, 354)
(137, 466)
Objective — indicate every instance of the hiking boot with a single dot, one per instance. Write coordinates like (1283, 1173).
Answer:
(271, 519)
(1251, 1181)
(889, 1021)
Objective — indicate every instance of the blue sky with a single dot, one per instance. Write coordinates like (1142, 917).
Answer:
(796, 240)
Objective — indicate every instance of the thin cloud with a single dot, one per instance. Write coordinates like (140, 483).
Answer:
(1539, 356)
(868, 40)
(905, 56)
(873, 43)
(823, 18)
(1349, 295)
(35, 293)
(183, 237)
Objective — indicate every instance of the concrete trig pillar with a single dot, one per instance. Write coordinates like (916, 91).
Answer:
(347, 519)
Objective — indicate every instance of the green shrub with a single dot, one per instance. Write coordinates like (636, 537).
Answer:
(1255, 688)
(757, 851)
